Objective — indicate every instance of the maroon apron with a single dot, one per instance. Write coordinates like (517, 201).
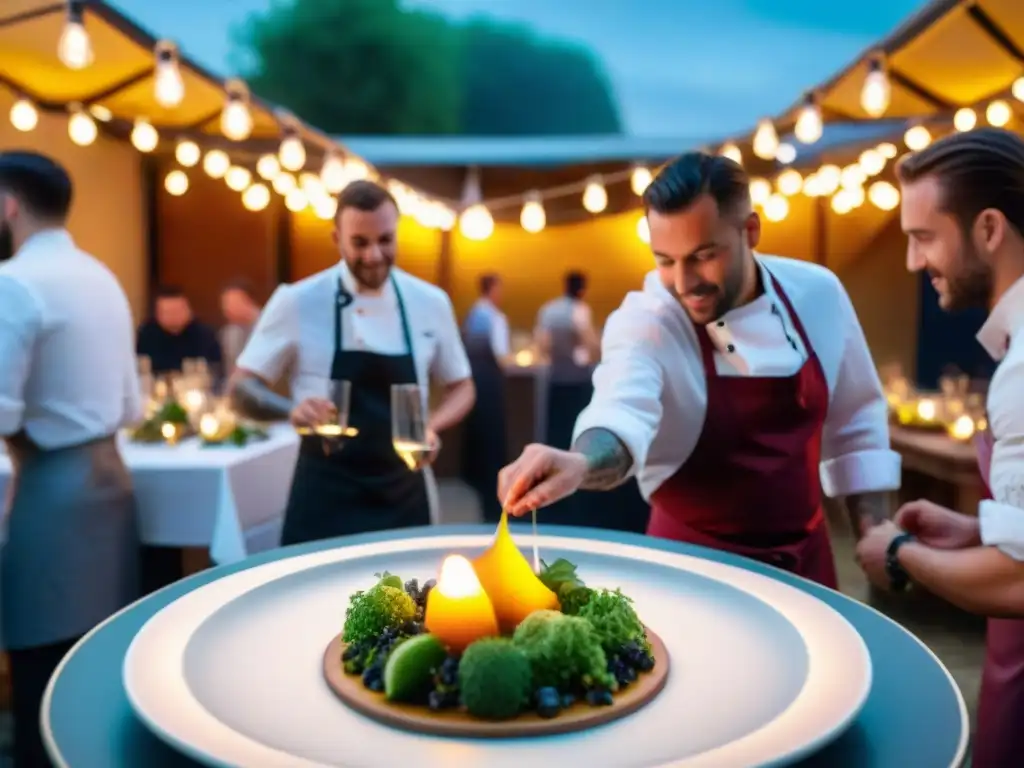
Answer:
(999, 736)
(751, 486)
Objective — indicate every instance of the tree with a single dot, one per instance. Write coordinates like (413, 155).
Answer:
(356, 66)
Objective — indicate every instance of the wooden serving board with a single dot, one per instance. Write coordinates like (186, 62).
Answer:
(459, 723)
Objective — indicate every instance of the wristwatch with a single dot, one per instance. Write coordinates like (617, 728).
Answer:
(898, 577)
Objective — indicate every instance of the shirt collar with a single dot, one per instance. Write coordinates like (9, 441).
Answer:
(46, 239)
(348, 282)
(1005, 319)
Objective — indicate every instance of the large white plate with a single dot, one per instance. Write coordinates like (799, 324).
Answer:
(762, 673)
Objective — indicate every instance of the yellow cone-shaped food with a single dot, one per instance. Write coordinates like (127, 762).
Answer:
(509, 580)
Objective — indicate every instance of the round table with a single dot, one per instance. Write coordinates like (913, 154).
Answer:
(914, 715)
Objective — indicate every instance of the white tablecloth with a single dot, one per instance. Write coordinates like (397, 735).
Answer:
(230, 500)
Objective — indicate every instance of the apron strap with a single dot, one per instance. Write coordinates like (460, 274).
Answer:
(794, 318)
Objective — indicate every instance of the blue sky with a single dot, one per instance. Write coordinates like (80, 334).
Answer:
(679, 67)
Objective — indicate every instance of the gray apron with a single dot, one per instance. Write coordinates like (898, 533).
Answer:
(71, 555)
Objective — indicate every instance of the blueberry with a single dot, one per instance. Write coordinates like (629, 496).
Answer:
(568, 700)
(645, 663)
(548, 710)
(377, 685)
(371, 675)
(442, 699)
(599, 697)
(350, 653)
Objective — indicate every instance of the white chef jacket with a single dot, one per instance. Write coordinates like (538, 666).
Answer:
(68, 372)
(1002, 335)
(650, 389)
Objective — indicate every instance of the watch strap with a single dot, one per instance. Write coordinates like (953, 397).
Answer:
(898, 576)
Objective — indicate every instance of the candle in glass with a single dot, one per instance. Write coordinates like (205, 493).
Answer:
(209, 426)
(459, 612)
(926, 410)
(963, 428)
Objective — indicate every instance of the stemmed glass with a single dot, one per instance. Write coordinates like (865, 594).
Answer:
(409, 425)
(335, 429)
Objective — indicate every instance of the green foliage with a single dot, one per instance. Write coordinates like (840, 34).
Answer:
(370, 613)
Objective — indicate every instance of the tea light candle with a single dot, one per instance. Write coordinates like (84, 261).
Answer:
(926, 410)
(209, 426)
(524, 358)
(169, 432)
(963, 428)
(194, 399)
(459, 612)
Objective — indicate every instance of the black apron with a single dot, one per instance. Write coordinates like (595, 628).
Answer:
(363, 485)
(484, 441)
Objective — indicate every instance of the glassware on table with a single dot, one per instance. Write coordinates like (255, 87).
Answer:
(335, 429)
(409, 424)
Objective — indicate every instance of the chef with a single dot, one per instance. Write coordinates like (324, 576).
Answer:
(67, 383)
(729, 383)
(486, 336)
(963, 212)
(369, 323)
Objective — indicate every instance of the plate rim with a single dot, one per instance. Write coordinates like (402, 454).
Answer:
(140, 698)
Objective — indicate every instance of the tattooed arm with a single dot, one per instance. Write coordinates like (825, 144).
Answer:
(867, 510)
(608, 459)
(253, 398)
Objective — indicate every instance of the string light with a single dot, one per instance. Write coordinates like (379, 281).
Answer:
(776, 208)
(256, 197)
(643, 230)
(842, 202)
(284, 183)
(333, 174)
(187, 153)
(144, 136)
(760, 191)
(786, 153)
(809, 126)
(237, 178)
(884, 196)
(216, 163)
(168, 87)
(296, 200)
(24, 116)
(176, 183)
(356, 169)
(532, 217)
(325, 208)
(812, 186)
(640, 180)
(267, 167)
(476, 223)
(876, 93)
(81, 127)
(852, 176)
(829, 178)
(998, 113)
(75, 48)
(888, 150)
(965, 119)
(871, 161)
(789, 182)
(917, 138)
(731, 151)
(1017, 89)
(235, 118)
(291, 153)
(766, 140)
(595, 196)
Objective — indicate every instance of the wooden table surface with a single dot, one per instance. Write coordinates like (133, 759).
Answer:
(949, 468)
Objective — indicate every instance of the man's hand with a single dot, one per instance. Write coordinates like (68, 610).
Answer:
(937, 526)
(871, 552)
(434, 441)
(312, 412)
(540, 476)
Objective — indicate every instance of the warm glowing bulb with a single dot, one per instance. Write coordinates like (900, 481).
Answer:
(926, 410)
(871, 161)
(168, 87)
(1017, 89)
(235, 117)
(356, 169)
(842, 202)
(24, 116)
(144, 136)
(237, 178)
(325, 207)
(760, 191)
(284, 183)
(965, 119)
(789, 182)
(532, 218)
(168, 431)
(267, 167)
(852, 176)
(731, 151)
(476, 223)
(917, 138)
(446, 218)
(256, 197)
(216, 163)
(776, 208)
(292, 153)
(176, 183)
(829, 178)
(75, 47)
(311, 184)
(296, 200)
(963, 428)
(333, 174)
(998, 113)
(643, 230)
(640, 180)
(812, 186)
(595, 196)
(808, 127)
(786, 153)
(888, 150)
(876, 92)
(766, 140)
(856, 196)
(82, 128)
(884, 196)
(187, 153)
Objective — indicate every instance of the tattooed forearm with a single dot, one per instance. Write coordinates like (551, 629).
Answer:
(608, 459)
(867, 510)
(252, 398)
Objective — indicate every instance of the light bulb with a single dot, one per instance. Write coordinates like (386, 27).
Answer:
(789, 182)
(808, 127)
(24, 116)
(168, 87)
(532, 218)
(965, 119)
(284, 183)
(144, 136)
(917, 138)
(267, 167)
(356, 169)
(75, 47)
(998, 113)
(333, 174)
(237, 178)
(235, 118)
(643, 230)
(640, 180)
(760, 191)
(731, 151)
(852, 176)
(82, 128)
(216, 163)
(876, 92)
(446, 218)
(856, 195)
(292, 153)
(296, 200)
(256, 197)
(871, 162)
(476, 223)
(595, 196)
(786, 153)
(187, 153)
(326, 207)
(812, 186)
(310, 184)
(176, 183)
(766, 140)
(842, 202)
(829, 178)
(776, 208)
(1017, 89)
(888, 150)
(884, 195)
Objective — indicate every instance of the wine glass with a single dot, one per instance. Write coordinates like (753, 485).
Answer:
(409, 424)
(334, 430)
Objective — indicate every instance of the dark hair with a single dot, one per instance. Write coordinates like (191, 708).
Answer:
(488, 281)
(239, 284)
(680, 182)
(170, 292)
(976, 170)
(364, 195)
(575, 282)
(39, 182)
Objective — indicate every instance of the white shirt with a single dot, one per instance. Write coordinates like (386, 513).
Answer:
(650, 389)
(1002, 517)
(68, 372)
(552, 314)
(498, 324)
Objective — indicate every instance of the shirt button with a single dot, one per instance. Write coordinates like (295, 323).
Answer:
(720, 323)
(730, 348)
(359, 311)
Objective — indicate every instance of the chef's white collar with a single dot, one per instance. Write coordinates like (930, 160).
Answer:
(1005, 319)
(348, 282)
(45, 239)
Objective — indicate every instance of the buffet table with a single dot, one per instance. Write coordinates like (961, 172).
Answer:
(914, 714)
(938, 468)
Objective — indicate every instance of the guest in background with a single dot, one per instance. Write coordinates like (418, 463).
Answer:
(67, 384)
(484, 441)
(240, 312)
(174, 335)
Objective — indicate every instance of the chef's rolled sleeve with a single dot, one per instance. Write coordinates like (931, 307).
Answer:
(627, 386)
(1002, 517)
(450, 363)
(273, 341)
(855, 453)
(20, 324)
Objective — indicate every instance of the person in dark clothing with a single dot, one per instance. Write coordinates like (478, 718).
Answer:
(173, 335)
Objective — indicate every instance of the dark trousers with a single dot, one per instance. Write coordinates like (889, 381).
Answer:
(31, 669)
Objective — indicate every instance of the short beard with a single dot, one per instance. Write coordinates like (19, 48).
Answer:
(971, 286)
